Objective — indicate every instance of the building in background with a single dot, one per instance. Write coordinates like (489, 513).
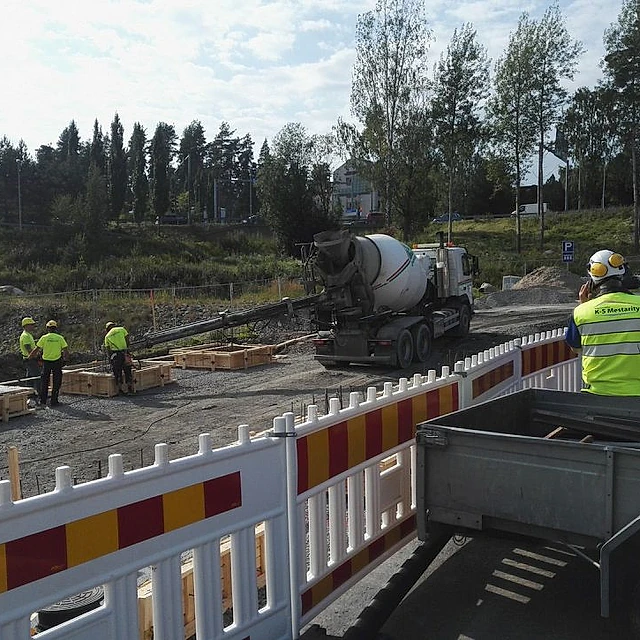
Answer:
(352, 194)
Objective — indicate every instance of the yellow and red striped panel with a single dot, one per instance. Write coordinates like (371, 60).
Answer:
(544, 356)
(492, 378)
(345, 571)
(329, 452)
(41, 554)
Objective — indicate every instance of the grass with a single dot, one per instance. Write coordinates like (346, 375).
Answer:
(494, 241)
(207, 262)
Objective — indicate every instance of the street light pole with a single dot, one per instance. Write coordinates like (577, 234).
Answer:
(19, 165)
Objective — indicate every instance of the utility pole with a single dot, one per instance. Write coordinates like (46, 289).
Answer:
(215, 200)
(189, 188)
(19, 165)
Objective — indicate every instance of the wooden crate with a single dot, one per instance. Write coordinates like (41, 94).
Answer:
(230, 357)
(98, 381)
(13, 401)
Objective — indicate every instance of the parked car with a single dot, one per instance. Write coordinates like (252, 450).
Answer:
(171, 218)
(255, 219)
(445, 217)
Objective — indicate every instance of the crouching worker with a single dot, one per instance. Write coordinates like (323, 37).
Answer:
(116, 344)
(52, 347)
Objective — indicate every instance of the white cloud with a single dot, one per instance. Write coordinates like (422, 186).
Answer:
(256, 64)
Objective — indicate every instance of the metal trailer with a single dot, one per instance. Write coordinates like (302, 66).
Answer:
(552, 465)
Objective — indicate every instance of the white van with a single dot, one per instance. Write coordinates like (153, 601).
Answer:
(530, 209)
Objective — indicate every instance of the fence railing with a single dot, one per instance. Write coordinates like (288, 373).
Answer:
(334, 495)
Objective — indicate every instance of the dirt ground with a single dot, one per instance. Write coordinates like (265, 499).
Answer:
(84, 431)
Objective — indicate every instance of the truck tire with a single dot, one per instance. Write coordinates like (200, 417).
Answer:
(404, 349)
(462, 329)
(421, 343)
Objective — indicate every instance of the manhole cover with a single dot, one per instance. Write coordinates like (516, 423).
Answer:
(69, 608)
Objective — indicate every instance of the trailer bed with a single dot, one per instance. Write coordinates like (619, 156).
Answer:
(549, 464)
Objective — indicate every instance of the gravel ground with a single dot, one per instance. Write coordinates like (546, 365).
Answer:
(84, 431)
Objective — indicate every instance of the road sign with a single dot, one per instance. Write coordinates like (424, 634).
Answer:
(567, 247)
(567, 257)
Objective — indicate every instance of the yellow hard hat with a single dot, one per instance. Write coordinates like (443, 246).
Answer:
(27, 321)
(52, 324)
(109, 325)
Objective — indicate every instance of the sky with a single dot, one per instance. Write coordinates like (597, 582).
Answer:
(256, 64)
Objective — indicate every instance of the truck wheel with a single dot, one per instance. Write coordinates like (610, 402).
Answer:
(422, 343)
(404, 349)
(465, 321)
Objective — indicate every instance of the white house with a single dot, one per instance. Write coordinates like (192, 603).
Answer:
(353, 193)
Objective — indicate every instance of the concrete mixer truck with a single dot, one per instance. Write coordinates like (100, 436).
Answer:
(384, 302)
(372, 298)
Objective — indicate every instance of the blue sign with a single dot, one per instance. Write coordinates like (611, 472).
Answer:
(567, 257)
(567, 247)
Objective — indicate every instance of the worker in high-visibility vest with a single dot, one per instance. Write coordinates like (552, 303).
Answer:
(116, 344)
(605, 329)
(52, 347)
(33, 364)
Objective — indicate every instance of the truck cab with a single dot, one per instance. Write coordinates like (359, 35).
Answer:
(530, 209)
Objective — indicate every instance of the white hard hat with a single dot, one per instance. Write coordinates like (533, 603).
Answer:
(605, 264)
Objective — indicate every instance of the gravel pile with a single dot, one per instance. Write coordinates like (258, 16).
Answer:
(543, 286)
(550, 277)
(532, 296)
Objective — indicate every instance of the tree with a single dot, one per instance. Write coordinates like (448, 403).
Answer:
(190, 172)
(138, 181)
(555, 58)
(161, 153)
(461, 82)
(622, 67)
(285, 188)
(511, 108)
(96, 207)
(68, 152)
(117, 168)
(97, 155)
(389, 71)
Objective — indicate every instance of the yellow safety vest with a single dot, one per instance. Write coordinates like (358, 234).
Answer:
(52, 345)
(609, 328)
(27, 344)
(115, 339)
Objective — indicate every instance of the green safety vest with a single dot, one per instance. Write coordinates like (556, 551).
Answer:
(115, 340)
(52, 345)
(27, 344)
(609, 328)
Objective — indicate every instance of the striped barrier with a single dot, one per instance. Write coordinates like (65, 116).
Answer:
(333, 497)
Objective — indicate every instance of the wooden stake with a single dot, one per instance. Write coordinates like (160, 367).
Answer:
(14, 474)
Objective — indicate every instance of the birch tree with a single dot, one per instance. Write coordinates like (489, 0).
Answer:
(461, 83)
(555, 59)
(622, 66)
(511, 108)
(390, 69)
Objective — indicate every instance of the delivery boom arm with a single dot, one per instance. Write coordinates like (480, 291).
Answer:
(236, 319)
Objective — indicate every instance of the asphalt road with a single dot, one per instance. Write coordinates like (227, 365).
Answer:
(487, 589)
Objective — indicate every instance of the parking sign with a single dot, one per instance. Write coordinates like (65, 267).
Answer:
(567, 246)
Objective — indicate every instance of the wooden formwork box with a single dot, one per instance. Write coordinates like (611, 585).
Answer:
(145, 593)
(13, 401)
(96, 381)
(230, 357)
